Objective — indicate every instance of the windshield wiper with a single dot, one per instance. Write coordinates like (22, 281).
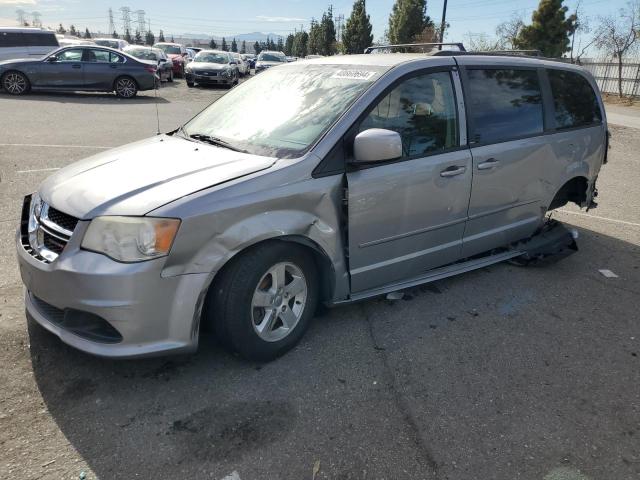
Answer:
(218, 142)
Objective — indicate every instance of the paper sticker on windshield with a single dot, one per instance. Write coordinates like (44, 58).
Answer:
(354, 74)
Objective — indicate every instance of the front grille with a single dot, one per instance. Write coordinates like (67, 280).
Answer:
(62, 219)
(54, 244)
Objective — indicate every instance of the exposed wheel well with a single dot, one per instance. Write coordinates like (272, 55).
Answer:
(575, 190)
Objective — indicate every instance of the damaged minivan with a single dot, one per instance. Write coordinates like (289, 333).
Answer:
(352, 176)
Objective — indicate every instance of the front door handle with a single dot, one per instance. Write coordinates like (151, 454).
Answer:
(452, 171)
(75, 66)
(489, 164)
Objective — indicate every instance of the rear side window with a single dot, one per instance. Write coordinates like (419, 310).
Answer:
(40, 39)
(115, 58)
(504, 104)
(12, 39)
(575, 102)
(422, 110)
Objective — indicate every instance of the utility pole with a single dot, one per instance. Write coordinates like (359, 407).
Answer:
(36, 19)
(112, 25)
(126, 19)
(141, 21)
(21, 18)
(444, 22)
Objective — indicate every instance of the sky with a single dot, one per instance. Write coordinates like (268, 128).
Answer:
(226, 18)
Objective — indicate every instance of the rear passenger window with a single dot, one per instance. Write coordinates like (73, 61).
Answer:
(575, 102)
(12, 39)
(422, 110)
(504, 104)
(115, 58)
(40, 39)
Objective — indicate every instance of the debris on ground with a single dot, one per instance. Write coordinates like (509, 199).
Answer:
(316, 469)
(395, 295)
(607, 273)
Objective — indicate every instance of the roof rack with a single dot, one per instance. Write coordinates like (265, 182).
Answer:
(505, 53)
(407, 45)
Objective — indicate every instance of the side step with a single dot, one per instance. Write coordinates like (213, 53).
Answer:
(552, 243)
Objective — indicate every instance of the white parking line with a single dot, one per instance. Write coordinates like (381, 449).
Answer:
(39, 170)
(51, 146)
(600, 218)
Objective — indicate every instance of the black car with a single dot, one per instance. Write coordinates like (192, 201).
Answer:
(88, 68)
(212, 67)
(152, 56)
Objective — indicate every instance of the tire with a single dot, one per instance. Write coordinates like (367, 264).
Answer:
(15, 83)
(125, 87)
(263, 302)
(170, 79)
(190, 84)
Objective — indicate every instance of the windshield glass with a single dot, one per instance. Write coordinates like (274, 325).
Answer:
(291, 107)
(210, 57)
(271, 57)
(142, 53)
(169, 49)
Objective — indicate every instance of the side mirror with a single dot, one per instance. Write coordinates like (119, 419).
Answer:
(52, 59)
(162, 60)
(377, 145)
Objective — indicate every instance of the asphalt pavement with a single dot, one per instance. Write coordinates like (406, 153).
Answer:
(502, 373)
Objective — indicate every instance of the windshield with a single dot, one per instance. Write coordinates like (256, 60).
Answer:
(271, 57)
(107, 43)
(169, 49)
(209, 57)
(291, 108)
(142, 54)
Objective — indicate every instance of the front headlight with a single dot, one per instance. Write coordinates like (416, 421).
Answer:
(227, 72)
(131, 239)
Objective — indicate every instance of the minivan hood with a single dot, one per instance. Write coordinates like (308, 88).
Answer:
(137, 178)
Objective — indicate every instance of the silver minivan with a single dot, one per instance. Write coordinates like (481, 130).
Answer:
(26, 42)
(353, 176)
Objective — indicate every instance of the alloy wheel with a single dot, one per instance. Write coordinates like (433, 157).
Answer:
(15, 83)
(279, 301)
(126, 88)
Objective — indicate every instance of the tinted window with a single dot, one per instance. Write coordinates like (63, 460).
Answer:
(12, 39)
(40, 39)
(115, 58)
(92, 55)
(74, 55)
(504, 104)
(575, 102)
(422, 110)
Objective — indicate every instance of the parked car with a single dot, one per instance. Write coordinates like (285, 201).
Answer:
(212, 67)
(74, 41)
(243, 67)
(26, 42)
(291, 59)
(192, 52)
(352, 177)
(268, 59)
(79, 68)
(153, 56)
(312, 57)
(177, 54)
(115, 43)
(250, 58)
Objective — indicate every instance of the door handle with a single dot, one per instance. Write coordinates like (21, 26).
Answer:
(489, 164)
(112, 66)
(452, 171)
(75, 66)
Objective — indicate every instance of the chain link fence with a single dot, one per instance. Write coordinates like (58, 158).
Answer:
(606, 75)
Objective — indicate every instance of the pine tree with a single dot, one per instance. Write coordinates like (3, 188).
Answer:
(328, 33)
(280, 45)
(212, 44)
(127, 36)
(138, 38)
(288, 45)
(300, 44)
(256, 48)
(115, 34)
(243, 48)
(549, 31)
(73, 31)
(357, 33)
(150, 38)
(161, 36)
(408, 20)
(172, 39)
(87, 33)
(315, 38)
(224, 45)
(234, 45)
(61, 30)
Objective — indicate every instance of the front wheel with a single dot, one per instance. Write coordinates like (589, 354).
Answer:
(15, 83)
(126, 87)
(262, 304)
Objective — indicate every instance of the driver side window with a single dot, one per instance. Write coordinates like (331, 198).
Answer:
(422, 110)
(73, 55)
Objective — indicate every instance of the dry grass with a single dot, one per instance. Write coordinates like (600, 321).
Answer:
(623, 102)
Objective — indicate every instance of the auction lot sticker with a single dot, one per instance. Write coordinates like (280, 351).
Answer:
(354, 74)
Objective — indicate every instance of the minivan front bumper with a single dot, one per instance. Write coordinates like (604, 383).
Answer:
(111, 309)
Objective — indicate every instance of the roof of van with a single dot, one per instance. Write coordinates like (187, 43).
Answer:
(25, 30)
(391, 60)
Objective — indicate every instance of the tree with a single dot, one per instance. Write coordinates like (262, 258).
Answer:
(508, 32)
(137, 38)
(87, 33)
(115, 34)
(225, 47)
(315, 38)
(357, 32)
(161, 36)
(212, 44)
(172, 39)
(299, 48)
(127, 36)
(234, 45)
(73, 31)
(288, 44)
(61, 30)
(150, 38)
(327, 33)
(243, 48)
(549, 30)
(408, 20)
(280, 46)
(256, 48)
(618, 35)
(482, 43)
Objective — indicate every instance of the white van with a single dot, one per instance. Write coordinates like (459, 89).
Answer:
(26, 42)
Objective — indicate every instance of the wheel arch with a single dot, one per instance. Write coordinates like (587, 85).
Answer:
(574, 190)
(15, 70)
